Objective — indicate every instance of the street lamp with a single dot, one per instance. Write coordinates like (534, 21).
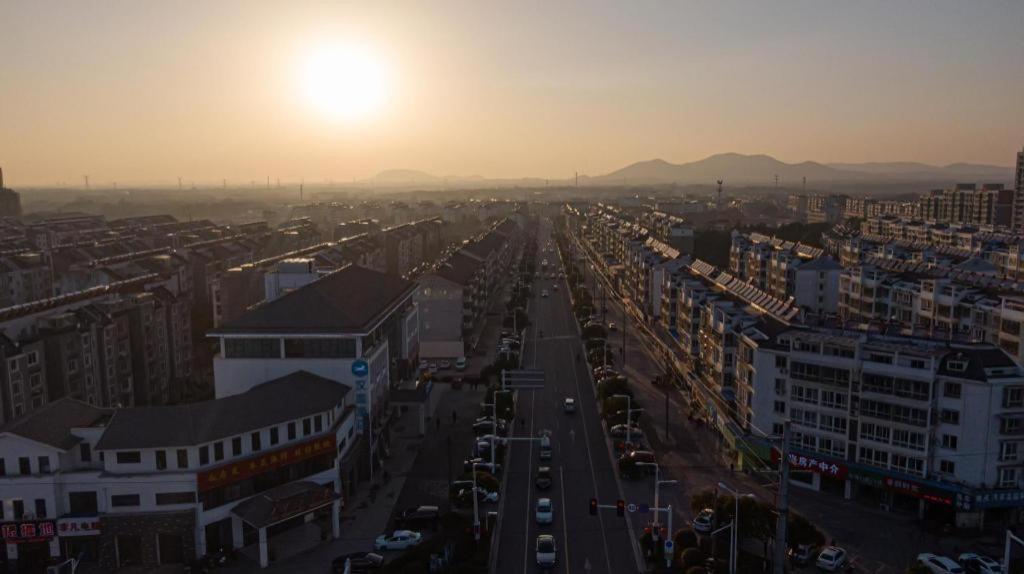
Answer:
(494, 419)
(629, 412)
(476, 502)
(657, 486)
(736, 495)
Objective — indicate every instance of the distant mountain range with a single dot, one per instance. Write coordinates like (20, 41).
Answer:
(735, 169)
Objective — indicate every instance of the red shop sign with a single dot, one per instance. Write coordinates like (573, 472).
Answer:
(243, 469)
(30, 531)
(819, 465)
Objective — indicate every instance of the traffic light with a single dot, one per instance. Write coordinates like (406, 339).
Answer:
(620, 507)
(593, 507)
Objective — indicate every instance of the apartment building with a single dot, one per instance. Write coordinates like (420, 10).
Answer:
(891, 419)
(786, 270)
(163, 485)
(988, 204)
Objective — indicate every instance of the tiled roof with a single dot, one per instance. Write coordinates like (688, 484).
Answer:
(52, 423)
(459, 268)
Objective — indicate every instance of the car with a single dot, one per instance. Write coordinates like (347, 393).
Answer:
(543, 478)
(554, 287)
(545, 448)
(397, 540)
(569, 405)
(358, 562)
(704, 521)
(418, 516)
(629, 468)
(445, 364)
(544, 293)
(460, 364)
(424, 365)
(547, 552)
(619, 431)
(939, 564)
(831, 559)
(487, 427)
(433, 367)
(545, 513)
(612, 326)
(979, 564)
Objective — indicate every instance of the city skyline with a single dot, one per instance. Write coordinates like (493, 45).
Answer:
(145, 95)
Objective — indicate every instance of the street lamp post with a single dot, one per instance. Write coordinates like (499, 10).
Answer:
(476, 504)
(494, 421)
(736, 495)
(629, 413)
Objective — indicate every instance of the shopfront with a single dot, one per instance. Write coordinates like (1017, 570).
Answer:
(29, 545)
(80, 538)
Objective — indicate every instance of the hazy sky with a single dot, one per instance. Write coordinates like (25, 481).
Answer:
(145, 91)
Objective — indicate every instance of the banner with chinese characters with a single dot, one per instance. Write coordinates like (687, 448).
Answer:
(271, 460)
(78, 526)
(27, 531)
(819, 465)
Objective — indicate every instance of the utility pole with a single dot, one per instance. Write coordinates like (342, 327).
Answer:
(779, 561)
(776, 182)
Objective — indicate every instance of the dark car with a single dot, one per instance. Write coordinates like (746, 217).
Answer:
(418, 516)
(628, 463)
(543, 480)
(360, 562)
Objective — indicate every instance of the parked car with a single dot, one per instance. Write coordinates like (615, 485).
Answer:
(619, 431)
(569, 405)
(979, 564)
(543, 478)
(831, 559)
(418, 516)
(397, 540)
(424, 365)
(486, 427)
(604, 371)
(628, 466)
(460, 364)
(445, 364)
(801, 555)
(554, 287)
(463, 489)
(433, 367)
(612, 326)
(544, 293)
(547, 553)
(359, 562)
(939, 564)
(704, 521)
(545, 511)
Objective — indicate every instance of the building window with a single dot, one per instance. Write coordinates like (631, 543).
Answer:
(950, 416)
(204, 455)
(952, 390)
(307, 427)
(120, 500)
(255, 438)
(1013, 397)
(44, 464)
(273, 436)
(320, 348)
(166, 498)
(182, 458)
(949, 441)
(83, 503)
(1007, 477)
(12, 365)
(18, 506)
(780, 387)
(85, 452)
(291, 431)
(1008, 451)
(40, 508)
(947, 467)
(129, 457)
(318, 423)
(256, 348)
(161, 459)
(33, 358)
(218, 451)
(24, 465)
(780, 407)
(236, 446)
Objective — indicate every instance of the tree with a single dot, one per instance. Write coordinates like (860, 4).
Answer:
(594, 331)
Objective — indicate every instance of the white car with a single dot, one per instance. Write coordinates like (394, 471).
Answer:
(832, 559)
(544, 293)
(423, 365)
(569, 405)
(445, 364)
(460, 364)
(979, 563)
(397, 540)
(939, 564)
(612, 326)
(705, 520)
(545, 511)
(547, 553)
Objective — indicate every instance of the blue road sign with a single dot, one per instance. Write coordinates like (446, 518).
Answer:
(360, 368)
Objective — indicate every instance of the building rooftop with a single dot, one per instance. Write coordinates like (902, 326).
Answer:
(51, 424)
(287, 398)
(350, 299)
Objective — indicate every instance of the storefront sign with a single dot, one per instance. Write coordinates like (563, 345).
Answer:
(79, 526)
(27, 531)
(813, 464)
(918, 490)
(999, 499)
(241, 470)
(362, 405)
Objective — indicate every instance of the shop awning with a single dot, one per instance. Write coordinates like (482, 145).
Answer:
(284, 502)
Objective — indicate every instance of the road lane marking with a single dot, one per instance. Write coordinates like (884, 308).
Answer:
(565, 518)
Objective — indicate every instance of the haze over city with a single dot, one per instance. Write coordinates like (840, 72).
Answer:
(145, 93)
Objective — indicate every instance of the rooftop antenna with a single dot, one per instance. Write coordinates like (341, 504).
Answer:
(719, 194)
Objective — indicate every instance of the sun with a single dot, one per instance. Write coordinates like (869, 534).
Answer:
(345, 82)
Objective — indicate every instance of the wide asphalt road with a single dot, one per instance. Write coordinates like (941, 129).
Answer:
(581, 463)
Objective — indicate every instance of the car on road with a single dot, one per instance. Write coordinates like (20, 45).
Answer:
(801, 555)
(554, 287)
(569, 405)
(397, 540)
(543, 292)
(832, 559)
(545, 448)
(545, 512)
(979, 564)
(612, 326)
(418, 516)
(939, 564)
(460, 364)
(543, 478)
(704, 521)
(358, 562)
(547, 552)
